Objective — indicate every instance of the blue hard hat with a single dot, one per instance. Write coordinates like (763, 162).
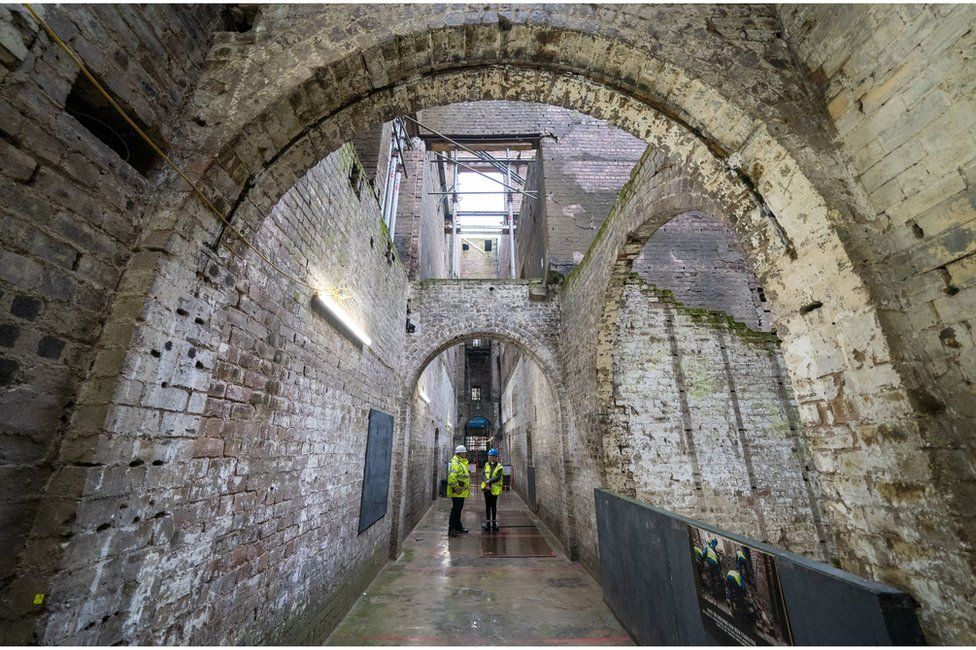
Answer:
(492, 452)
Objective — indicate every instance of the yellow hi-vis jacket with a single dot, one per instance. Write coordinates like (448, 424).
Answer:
(459, 479)
(495, 475)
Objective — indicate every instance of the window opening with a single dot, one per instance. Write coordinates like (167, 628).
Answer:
(90, 108)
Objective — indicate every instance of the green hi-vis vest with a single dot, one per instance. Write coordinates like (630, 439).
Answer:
(459, 479)
(711, 557)
(497, 473)
(734, 578)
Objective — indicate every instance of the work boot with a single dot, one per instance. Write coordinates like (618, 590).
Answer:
(494, 525)
(452, 533)
(462, 530)
(486, 526)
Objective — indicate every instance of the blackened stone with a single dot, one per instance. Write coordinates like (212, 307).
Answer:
(8, 335)
(8, 367)
(25, 307)
(50, 347)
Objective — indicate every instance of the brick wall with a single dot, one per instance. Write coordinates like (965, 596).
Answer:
(704, 424)
(269, 107)
(241, 386)
(897, 84)
(428, 452)
(698, 259)
(476, 262)
(530, 417)
(71, 211)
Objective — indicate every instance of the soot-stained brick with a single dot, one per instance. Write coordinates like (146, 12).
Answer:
(50, 347)
(8, 335)
(8, 368)
(25, 307)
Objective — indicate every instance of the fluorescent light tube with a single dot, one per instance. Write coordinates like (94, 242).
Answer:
(341, 320)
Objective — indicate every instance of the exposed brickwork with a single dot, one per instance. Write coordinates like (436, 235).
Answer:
(859, 357)
(699, 426)
(70, 216)
(420, 238)
(531, 418)
(898, 85)
(731, 120)
(431, 439)
(480, 370)
(697, 258)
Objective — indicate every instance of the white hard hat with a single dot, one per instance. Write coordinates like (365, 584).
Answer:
(460, 449)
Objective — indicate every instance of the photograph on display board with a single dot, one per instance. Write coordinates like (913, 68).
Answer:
(738, 591)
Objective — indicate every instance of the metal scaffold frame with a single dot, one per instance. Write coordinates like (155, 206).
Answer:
(482, 158)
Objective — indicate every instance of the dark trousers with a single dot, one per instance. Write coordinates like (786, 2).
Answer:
(457, 503)
(491, 506)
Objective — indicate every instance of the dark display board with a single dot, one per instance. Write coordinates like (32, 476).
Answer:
(665, 588)
(530, 487)
(376, 473)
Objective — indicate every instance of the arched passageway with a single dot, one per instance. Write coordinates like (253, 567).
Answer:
(196, 315)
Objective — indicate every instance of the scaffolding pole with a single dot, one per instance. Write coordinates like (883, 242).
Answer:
(454, 227)
(511, 221)
(507, 186)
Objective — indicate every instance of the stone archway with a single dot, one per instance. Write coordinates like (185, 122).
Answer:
(659, 192)
(451, 312)
(307, 100)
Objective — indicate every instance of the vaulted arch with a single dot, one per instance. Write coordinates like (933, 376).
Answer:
(278, 100)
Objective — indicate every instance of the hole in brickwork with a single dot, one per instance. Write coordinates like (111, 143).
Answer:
(87, 105)
(103, 527)
(356, 179)
(160, 514)
(157, 463)
(165, 384)
(198, 321)
(168, 346)
(199, 364)
(950, 289)
(806, 309)
(155, 353)
(182, 312)
(192, 353)
(239, 18)
(136, 463)
(917, 231)
(136, 519)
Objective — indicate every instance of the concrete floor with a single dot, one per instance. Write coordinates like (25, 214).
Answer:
(442, 592)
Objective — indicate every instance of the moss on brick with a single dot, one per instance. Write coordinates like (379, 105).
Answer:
(705, 316)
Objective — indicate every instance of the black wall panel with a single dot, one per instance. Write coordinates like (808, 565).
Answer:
(648, 574)
(376, 473)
